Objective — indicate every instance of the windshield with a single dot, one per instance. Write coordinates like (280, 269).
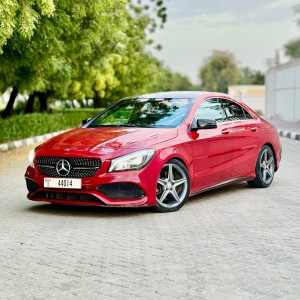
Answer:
(144, 113)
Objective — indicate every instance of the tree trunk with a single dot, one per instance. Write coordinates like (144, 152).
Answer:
(10, 104)
(99, 102)
(30, 102)
(43, 101)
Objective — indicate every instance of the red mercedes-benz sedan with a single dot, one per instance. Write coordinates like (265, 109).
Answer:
(156, 150)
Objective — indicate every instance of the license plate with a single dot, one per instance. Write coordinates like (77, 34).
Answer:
(62, 183)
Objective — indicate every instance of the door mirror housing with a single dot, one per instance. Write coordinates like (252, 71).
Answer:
(204, 124)
(85, 121)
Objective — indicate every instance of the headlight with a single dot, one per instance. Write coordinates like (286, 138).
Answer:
(31, 158)
(132, 161)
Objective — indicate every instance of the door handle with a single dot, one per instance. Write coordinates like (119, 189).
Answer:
(253, 128)
(226, 131)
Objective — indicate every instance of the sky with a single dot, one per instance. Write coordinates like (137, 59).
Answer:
(251, 29)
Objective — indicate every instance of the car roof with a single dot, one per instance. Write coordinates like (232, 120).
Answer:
(182, 94)
(175, 94)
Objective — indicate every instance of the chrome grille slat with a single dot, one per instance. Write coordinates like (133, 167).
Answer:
(85, 168)
(47, 166)
(80, 167)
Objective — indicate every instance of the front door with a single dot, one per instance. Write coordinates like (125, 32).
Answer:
(212, 149)
(244, 133)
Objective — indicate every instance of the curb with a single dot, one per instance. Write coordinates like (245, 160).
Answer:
(288, 134)
(29, 141)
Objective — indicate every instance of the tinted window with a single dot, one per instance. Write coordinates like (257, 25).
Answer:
(144, 113)
(210, 109)
(247, 115)
(233, 111)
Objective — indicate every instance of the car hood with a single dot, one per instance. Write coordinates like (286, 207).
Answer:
(111, 137)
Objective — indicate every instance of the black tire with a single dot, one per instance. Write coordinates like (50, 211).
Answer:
(265, 168)
(171, 174)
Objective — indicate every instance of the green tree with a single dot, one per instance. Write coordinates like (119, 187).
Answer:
(76, 49)
(21, 17)
(18, 18)
(78, 34)
(250, 76)
(82, 49)
(179, 82)
(292, 48)
(219, 71)
(125, 70)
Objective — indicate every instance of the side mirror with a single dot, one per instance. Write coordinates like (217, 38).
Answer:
(205, 124)
(85, 121)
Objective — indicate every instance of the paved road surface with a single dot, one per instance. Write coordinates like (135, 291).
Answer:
(231, 243)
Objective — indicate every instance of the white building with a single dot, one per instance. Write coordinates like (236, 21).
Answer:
(283, 92)
(251, 95)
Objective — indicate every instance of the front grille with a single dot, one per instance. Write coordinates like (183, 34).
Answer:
(66, 196)
(80, 167)
(121, 191)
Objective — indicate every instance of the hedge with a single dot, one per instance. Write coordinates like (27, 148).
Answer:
(23, 126)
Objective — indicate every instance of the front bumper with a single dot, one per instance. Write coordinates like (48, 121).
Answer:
(143, 180)
(81, 197)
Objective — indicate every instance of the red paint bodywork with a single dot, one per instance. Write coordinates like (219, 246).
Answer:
(211, 156)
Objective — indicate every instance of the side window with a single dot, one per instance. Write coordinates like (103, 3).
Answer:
(247, 115)
(233, 111)
(210, 109)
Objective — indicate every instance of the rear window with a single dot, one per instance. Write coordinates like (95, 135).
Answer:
(234, 111)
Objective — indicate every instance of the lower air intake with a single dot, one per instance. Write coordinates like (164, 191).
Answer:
(121, 191)
(67, 196)
(31, 185)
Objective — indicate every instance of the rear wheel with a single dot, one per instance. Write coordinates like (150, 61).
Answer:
(265, 168)
(173, 186)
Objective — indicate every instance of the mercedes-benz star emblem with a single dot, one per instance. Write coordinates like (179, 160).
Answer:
(63, 167)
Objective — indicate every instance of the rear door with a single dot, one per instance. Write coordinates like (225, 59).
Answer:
(244, 133)
(211, 148)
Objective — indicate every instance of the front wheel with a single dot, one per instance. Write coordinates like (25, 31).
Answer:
(173, 186)
(265, 168)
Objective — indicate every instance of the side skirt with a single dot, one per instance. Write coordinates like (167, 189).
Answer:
(221, 184)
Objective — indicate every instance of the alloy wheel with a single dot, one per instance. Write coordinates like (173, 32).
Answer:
(172, 186)
(267, 166)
